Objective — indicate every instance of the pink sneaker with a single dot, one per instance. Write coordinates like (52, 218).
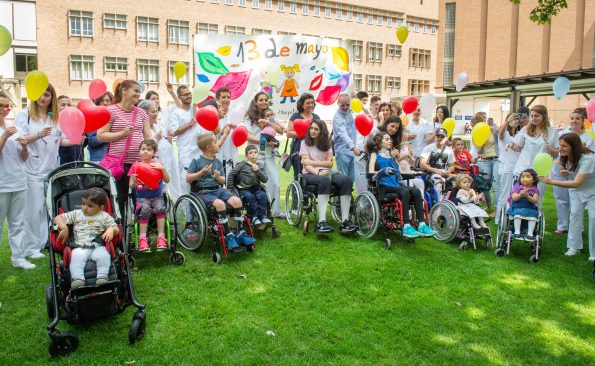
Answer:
(161, 244)
(143, 244)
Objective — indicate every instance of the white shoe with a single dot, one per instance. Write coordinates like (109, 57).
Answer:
(23, 263)
(572, 252)
(36, 255)
(591, 259)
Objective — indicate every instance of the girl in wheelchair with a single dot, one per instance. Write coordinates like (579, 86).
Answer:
(384, 165)
(523, 203)
(149, 202)
(468, 202)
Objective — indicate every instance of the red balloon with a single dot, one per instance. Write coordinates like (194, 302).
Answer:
(72, 123)
(149, 176)
(239, 136)
(95, 116)
(364, 124)
(208, 118)
(301, 126)
(97, 88)
(409, 105)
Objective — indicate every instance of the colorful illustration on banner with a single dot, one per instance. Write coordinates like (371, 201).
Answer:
(329, 95)
(343, 81)
(316, 83)
(202, 78)
(340, 58)
(211, 63)
(331, 73)
(266, 85)
(236, 82)
(224, 50)
(289, 88)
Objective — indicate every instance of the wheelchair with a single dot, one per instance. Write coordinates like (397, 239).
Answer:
(505, 235)
(373, 211)
(450, 225)
(176, 257)
(195, 222)
(275, 233)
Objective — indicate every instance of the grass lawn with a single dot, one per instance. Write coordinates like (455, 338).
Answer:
(336, 300)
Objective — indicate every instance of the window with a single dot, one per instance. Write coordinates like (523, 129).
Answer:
(261, 31)
(292, 8)
(117, 64)
(232, 29)
(417, 87)
(393, 82)
(359, 17)
(242, 3)
(349, 13)
(148, 70)
(172, 76)
(425, 28)
(215, 1)
(23, 63)
(316, 8)
(207, 28)
(228, 2)
(399, 22)
(433, 31)
(339, 12)
(389, 22)
(268, 4)
(358, 50)
(370, 19)
(147, 29)
(393, 50)
(449, 44)
(81, 23)
(374, 84)
(281, 6)
(82, 67)
(379, 20)
(416, 27)
(305, 9)
(115, 21)
(255, 4)
(327, 9)
(375, 52)
(281, 33)
(357, 82)
(419, 58)
(179, 31)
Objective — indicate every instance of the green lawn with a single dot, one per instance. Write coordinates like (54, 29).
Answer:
(336, 300)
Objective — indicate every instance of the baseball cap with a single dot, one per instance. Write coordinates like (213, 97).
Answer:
(441, 131)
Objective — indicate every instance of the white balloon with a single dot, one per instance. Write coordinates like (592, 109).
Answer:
(462, 80)
(427, 103)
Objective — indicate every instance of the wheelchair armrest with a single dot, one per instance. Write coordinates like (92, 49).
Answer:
(408, 176)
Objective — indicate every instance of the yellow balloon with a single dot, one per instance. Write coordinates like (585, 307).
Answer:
(449, 126)
(402, 33)
(180, 70)
(36, 83)
(480, 134)
(356, 105)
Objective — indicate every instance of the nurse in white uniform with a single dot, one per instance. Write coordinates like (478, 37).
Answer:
(228, 152)
(507, 159)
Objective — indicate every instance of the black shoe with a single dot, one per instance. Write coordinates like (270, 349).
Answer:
(323, 227)
(348, 227)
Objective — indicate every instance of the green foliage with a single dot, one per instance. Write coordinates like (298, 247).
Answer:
(545, 10)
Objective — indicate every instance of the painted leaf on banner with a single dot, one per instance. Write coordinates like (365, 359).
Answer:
(340, 58)
(316, 83)
(236, 82)
(211, 63)
(329, 95)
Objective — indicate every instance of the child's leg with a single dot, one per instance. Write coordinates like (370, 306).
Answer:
(262, 200)
(517, 225)
(474, 222)
(78, 262)
(531, 227)
(158, 208)
(238, 215)
(144, 212)
(263, 142)
(251, 202)
(481, 222)
(221, 215)
(161, 226)
(102, 259)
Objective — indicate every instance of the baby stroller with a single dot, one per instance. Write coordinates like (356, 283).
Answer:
(64, 188)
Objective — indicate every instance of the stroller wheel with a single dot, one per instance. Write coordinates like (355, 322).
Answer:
(63, 343)
(131, 262)
(499, 252)
(387, 243)
(533, 259)
(137, 329)
(216, 257)
(177, 258)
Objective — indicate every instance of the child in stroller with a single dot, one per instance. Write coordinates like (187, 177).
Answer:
(468, 201)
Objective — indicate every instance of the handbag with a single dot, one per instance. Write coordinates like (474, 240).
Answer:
(115, 164)
(286, 158)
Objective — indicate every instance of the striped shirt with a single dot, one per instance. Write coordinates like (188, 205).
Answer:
(120, 120)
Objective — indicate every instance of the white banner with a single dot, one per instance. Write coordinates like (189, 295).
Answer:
(284, 67)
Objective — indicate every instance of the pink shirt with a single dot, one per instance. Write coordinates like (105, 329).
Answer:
(121, 119)
(314, 154)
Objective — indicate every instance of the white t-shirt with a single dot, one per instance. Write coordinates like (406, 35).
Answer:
(227, 151)
(532, 146)
(43, 153)
(187, 147)
(508, 158)
(87, 228)
(586, 166)
(13, 170)
(420, 131)
(432, 148)
(586, 139)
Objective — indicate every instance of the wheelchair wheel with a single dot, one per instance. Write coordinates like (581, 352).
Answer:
(502, 234)
(367, 214)
(294, 203)
(445, 220)
(335, 203)
(190, 220)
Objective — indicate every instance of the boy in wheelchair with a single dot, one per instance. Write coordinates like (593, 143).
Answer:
(206, 182)
(247, 177)
(92, 228)
(438, 160)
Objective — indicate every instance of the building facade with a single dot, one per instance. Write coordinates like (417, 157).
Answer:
(79, 41)
(491, 40)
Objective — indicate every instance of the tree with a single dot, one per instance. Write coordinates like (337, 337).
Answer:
(545, 10)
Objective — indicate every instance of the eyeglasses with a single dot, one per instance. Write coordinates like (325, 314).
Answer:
(345, 105)
(4, 106)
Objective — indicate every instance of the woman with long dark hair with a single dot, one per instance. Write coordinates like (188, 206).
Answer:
(305, 110)
(317, 161)
(578, 163)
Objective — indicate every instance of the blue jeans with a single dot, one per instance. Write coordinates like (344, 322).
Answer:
(345, 164)
(489, 168)
(256, 201)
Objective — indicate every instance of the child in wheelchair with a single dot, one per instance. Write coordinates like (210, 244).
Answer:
(438, 160)
(384, 166)
(149, 201)
(468, 202)
(247, 176)
(206, 182)
(92, 228)
(523, 203)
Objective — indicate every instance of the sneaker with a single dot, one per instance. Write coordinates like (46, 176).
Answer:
(161, 244)
(529, 238)
(256, 221)
(560, 232)
(143, 244)
(282, 216)
(517, 236)
(76, 284)
(425, 230)
(101, 281)
(36, 255)
(230, 241)
(348, 227)
(572, 252)
(243, 239)
(410, 232)
(23, 263)
(323, 227)
(266, 221)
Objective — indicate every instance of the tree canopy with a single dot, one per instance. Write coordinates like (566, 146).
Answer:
(545, 10)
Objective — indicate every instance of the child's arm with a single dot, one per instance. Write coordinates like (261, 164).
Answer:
(132, 181)
(159, 165)
(221, 141)
(260, 173)
(218, 177)
(534, 198)
(112, 228)
(516, 196)
(62, 227)
(306, 162)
